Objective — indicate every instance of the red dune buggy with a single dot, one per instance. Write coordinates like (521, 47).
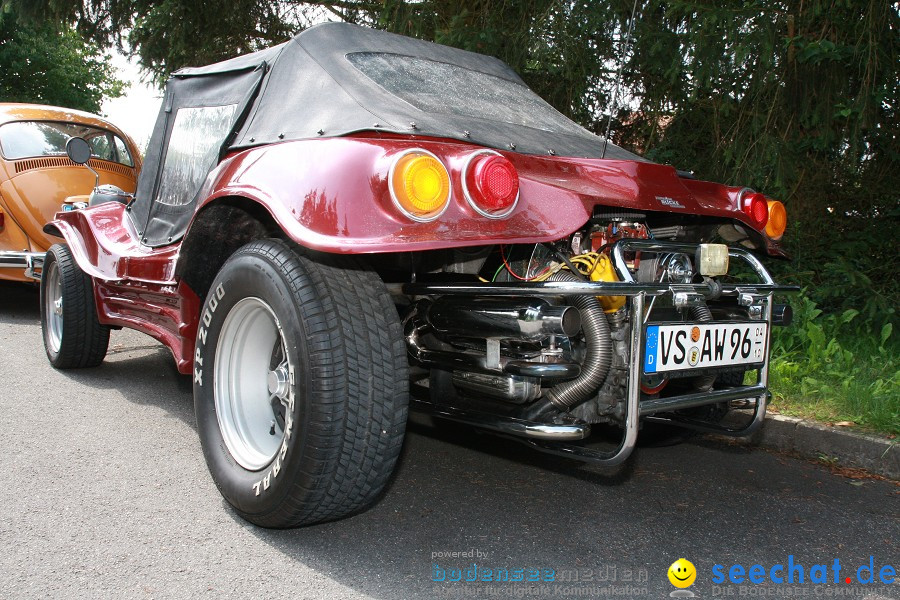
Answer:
(352, 223)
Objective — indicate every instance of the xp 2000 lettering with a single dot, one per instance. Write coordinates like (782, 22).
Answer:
(353, 223)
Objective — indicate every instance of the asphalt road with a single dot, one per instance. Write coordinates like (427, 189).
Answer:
(104, 493)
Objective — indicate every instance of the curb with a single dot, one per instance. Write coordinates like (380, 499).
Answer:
(810, 439)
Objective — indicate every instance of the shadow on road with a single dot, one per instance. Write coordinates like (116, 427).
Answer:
(19, 303)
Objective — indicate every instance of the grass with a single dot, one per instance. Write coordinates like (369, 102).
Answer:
(834, 370)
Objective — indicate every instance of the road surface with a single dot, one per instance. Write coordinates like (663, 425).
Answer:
(104, 493)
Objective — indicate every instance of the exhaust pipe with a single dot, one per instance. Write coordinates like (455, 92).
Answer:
(486, 318)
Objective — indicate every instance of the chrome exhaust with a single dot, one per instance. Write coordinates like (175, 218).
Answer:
(494, 318)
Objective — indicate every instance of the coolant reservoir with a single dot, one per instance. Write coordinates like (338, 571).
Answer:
(603, 271)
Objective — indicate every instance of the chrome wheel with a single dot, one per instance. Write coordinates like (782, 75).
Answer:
(53, 307)
(253, 377)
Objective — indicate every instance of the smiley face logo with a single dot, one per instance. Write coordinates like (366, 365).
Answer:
(682, 573)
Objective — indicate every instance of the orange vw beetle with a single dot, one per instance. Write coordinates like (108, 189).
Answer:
(37, 179)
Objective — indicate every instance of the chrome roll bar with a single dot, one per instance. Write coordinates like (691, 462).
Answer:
(626, 287)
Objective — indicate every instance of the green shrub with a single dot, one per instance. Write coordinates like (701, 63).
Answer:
(837, 367)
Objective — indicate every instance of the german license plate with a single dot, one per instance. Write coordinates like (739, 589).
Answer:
(689, 346)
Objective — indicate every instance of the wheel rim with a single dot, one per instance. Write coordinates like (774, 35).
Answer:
(53, 307)
(253, 391)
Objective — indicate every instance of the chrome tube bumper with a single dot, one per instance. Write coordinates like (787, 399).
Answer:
(760, 294)
(31, 262)
(504, 425)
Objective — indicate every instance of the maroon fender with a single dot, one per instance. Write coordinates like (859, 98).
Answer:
(332, 194)
(106, 246)
(134, 286)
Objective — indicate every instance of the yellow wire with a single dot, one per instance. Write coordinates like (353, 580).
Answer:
(588, 261)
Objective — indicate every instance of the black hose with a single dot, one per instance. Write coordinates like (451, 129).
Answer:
(701, 313)
(598, 357)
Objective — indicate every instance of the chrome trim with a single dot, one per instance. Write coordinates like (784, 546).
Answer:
(506, 425)
(760, 390)
(627, 286)
(655, 405)
(31, 262)
(739, 199)
(527, 318)
(632, 407)
(633, 399)
(543, 370)
(557, 432)
(577, 288)
(403, 211)
(761, 294)
(468, 195)
(755, 422)
(468, 360)
(619, 248)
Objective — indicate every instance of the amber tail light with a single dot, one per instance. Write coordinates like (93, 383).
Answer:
(419, 185)
(491, 184)
(777, 220)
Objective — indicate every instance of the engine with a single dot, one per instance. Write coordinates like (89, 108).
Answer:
(567, 358)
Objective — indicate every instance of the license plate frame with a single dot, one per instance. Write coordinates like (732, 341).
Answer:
(688, 347)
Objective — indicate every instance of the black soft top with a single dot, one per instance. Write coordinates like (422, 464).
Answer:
(331, 80)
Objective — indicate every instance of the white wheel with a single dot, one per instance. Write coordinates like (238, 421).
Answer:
(253, 392)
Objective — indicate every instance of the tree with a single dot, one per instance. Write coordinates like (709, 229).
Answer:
(795, 99)
(46, 65)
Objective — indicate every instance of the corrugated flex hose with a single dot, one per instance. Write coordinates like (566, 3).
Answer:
(702, 313)
(598, 357)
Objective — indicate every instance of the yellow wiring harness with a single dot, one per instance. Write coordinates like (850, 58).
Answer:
(585, 263)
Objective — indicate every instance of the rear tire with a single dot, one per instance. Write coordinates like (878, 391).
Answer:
(73, 336)
(300, 385)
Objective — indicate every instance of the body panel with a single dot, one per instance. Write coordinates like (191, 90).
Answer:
(334, 198)
(35, 195)
(106, 246)
(12, 238)
(167, 313)
(333, 195)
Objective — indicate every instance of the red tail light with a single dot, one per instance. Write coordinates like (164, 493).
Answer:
(756, 207)
(491, 184)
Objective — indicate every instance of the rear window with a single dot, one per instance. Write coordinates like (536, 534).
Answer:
(30, 139)
(444, 88)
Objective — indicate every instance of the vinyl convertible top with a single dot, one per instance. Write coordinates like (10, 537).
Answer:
(331, 80)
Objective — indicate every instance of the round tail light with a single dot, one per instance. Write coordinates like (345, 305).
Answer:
(777, 220)
(419, 185)
(756, 207)
(491, 184)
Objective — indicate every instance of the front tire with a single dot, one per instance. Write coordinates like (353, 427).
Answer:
(73, 336)
(300, 385)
